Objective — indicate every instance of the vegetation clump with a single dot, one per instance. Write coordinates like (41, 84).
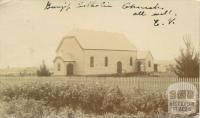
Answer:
(89, 99)
(43, 71)
(188, 61)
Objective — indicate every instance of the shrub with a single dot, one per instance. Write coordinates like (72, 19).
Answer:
(112, 101)
(43, 71)
(92, 98)
(24, 108)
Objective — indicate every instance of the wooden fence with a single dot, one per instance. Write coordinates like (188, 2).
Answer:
(126, 83)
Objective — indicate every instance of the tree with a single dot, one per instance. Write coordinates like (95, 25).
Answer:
(43, 71)
(187, 62)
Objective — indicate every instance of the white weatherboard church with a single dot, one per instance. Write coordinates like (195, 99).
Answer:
(85, 52)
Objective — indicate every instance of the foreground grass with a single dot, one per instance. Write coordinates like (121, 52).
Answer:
(23, 108)
(35, 99)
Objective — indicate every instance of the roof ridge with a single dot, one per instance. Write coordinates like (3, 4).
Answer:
(93, 39)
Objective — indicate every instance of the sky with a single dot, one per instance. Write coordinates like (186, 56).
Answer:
(30, 34)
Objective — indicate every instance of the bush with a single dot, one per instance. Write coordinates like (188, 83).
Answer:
(112, 101)
(24, 108)
(92, 98)
(43, 71)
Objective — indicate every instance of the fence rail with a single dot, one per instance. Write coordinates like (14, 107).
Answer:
(126, 83)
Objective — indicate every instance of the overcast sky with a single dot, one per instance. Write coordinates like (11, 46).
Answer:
(30, 34)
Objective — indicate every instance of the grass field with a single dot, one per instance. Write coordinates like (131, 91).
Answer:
(85, 97)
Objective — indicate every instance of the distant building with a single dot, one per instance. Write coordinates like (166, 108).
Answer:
(85, 52)
(145, 62)
(164, 66)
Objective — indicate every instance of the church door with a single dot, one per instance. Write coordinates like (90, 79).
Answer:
(119, 67)
(70, 69)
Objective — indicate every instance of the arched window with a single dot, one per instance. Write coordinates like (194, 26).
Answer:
(58, 67)
(92, 61)
(106, 61)
(131, 61)
(149, 63)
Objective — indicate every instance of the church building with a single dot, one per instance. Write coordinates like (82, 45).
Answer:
(87, 52)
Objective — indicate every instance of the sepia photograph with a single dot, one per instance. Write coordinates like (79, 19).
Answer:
(99, 58)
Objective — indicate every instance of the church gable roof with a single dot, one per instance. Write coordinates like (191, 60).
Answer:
(99, 40)
(143, 54)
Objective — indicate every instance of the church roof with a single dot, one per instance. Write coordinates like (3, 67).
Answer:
(143, 54)
(101, 40)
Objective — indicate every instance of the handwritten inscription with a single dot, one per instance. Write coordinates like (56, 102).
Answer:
(129, 5)
(156, 11)
(66, 6)
(140, 13)
(93, 4)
